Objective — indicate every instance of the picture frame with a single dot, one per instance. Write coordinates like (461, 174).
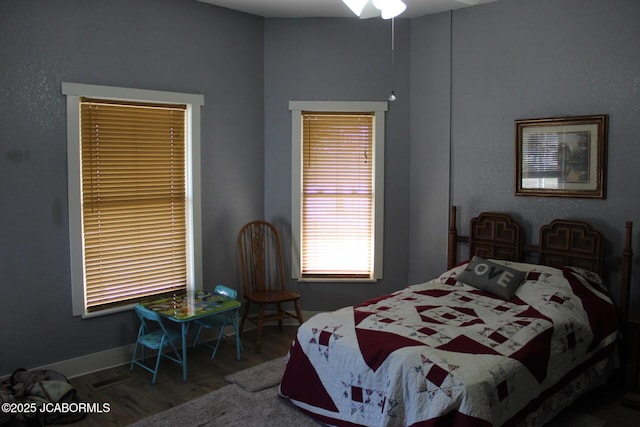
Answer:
(561, 156)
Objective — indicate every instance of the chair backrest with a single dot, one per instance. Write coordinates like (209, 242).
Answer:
(146, 314)
(226, 291)
(260, 257)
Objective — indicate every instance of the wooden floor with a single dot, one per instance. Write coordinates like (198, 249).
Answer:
(132, 397)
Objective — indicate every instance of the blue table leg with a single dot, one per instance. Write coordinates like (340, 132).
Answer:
(185, 327)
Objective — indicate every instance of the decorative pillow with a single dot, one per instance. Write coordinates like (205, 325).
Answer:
(491, 277)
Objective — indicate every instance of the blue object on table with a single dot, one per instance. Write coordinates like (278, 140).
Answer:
(220, 321)
(155, 336)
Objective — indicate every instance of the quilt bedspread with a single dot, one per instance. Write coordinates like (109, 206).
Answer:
(445, 353)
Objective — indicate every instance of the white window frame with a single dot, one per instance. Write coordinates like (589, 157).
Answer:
(73, 92)
(297, 108)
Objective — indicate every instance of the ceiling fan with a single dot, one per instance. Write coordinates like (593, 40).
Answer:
(370, 8)
(388, 9)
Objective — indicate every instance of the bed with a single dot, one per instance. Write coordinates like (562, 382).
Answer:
(491, 341)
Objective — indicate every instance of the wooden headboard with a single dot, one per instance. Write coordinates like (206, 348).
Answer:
(561, 243)
(574, 243)
(495, 235)
(491, 235)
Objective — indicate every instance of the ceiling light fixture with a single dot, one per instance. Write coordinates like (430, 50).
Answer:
(393, 97)
(369, 8)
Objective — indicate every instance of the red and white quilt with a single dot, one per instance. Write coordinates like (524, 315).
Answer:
(445, 353)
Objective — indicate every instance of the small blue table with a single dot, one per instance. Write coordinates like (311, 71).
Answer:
(187, 307)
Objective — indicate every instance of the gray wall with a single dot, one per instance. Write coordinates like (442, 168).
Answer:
(173, 45)
(430, 145)
(339, 60)
(519, 59)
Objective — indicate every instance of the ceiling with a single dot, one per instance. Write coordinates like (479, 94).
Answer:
(333, 8)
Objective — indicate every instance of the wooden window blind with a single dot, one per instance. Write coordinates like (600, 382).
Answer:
(133, 201)
(337, 195)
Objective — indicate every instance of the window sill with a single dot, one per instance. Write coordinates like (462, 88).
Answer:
(336, 280)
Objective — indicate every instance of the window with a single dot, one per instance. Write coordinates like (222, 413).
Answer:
(337, 190)
(133, 195)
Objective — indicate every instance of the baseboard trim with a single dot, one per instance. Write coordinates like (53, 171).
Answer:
(118, 356)
(89, 363)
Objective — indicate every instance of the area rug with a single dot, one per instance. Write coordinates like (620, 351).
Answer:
(232, 406)
(259, 377)
(252, 400)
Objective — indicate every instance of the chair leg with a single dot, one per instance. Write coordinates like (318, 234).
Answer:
(220, 336)
(155, 371)
(195, 340)
(133, 359)
(259, 331)
(177, 357)
(298, 312)
(245, 313)
(280, 313)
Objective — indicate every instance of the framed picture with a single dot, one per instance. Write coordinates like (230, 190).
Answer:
(562, 157)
